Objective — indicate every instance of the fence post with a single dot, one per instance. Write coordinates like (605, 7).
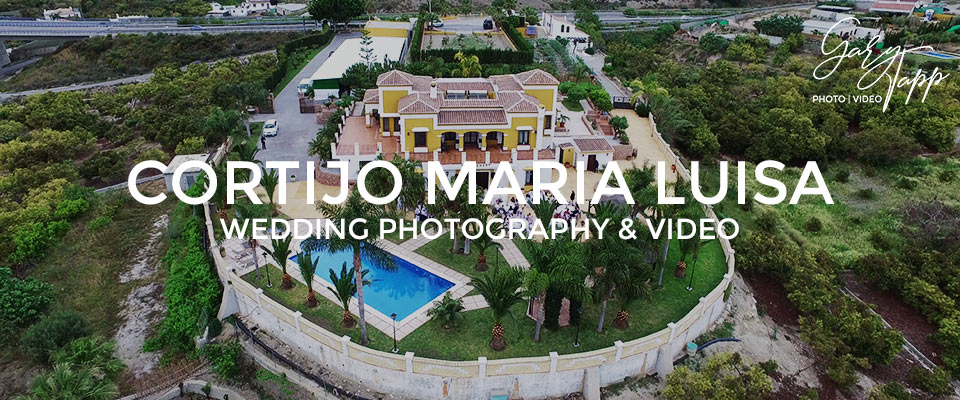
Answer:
(408, 361)
(619, 345)
(553, 361)
(345, 346)
(482, 361)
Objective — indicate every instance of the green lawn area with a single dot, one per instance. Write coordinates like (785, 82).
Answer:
(668, 304)
(470, 340)
(439, 250)
(395, 236)
(326, 314)
(572, 105)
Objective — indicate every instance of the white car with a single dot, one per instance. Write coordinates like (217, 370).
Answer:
(270, 128)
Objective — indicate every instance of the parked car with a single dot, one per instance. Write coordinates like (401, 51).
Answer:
(488, 24)
(270, 128)
(438, 23)
(304, 86)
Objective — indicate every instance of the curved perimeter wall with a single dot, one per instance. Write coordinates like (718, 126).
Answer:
(424, 378)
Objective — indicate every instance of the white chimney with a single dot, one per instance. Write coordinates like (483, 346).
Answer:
(433, 89)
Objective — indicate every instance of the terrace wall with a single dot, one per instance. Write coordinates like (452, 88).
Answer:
(528, 377)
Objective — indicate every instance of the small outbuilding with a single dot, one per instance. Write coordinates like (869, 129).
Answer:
(189, 176)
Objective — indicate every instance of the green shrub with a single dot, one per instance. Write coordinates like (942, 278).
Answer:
(936, 383)
(948, 176)
(928, 298)
(99, 222)
(91, 352)
(880, 241)
(153, 155)
(590, 50)
(53, 332)
(32, 240)
(813, 225)
(890, 391)
(68, 209)
(22, 301)
(768, 220)
(842, 176)
(769, 366)
(866, 193)
(226, 360)
(908, 183)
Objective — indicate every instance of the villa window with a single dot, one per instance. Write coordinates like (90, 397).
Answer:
(396, 125)
(548, 119)
(420, 139)
(456, 94)
(528, 178)
(523, 138)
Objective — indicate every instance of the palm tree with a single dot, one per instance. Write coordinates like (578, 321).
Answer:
(447, 311)
(280, 253)
(469, 65)
(485, 241)
(499, 289)
(308, 267)
(628, 292)
(344, 287)
(355, 208)
(535, 284)
(269, 182)
(458, 206)
(220, 192)
(612, 258)
(561, 259)
(67, 381)
(640, 183)
(94, 353)
(413, 190)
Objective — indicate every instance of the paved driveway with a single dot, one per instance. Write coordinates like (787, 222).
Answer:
(464, 25)
(296, 130)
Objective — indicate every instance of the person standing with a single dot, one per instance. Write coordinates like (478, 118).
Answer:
(263, 142)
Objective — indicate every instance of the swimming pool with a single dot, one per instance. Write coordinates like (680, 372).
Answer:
(939, 55)
(402, 291)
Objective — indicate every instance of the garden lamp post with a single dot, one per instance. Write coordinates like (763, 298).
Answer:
(696, 256)
(394, 318)
(266, 270)
(576, 340)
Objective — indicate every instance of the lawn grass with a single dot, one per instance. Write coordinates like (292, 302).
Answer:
(572, 105)
(668, 304)
(395, 235)
(85, 266)
(470, 340)
(326, 314)
(439, 250)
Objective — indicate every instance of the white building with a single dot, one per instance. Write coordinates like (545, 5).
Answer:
(290, 9)
(562, 27)
(60, 13)
(326, 79)
(189, 177)
(846, 29)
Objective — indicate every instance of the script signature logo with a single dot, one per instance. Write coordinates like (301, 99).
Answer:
(886, 66)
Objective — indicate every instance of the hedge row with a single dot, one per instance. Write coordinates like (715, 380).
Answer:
(523, 54)
(284, 51)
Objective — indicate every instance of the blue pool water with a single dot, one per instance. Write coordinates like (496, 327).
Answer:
(939, 55)
(401, 291)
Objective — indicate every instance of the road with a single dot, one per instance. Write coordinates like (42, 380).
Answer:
(15, 29)
(296, 129)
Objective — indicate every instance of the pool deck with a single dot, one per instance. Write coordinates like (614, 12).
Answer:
(239, 252)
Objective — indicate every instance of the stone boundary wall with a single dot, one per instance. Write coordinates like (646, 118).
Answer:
(408, 375)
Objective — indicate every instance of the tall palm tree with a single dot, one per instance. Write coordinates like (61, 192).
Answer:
(413, 190)
(269, 182)
(644, 191)
(280, 253)
(220, 192)
(482, 243)
(355, 208)
(344, 287)
(561, 259)
(469, 65)
(458, 206)
(67, 381)
(628, 292)
(535, 284)
(499, 289)
(308, 267)
(612, 258)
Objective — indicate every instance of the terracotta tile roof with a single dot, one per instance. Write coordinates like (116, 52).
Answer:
(518, 102)
(892, 5)
(418, 103)
(545, 154)
(400, 78)
(371, 96)
(474, 117)
(444, 85)
(536, 77)
(505, 82)
(592, 144)
(471, 103)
